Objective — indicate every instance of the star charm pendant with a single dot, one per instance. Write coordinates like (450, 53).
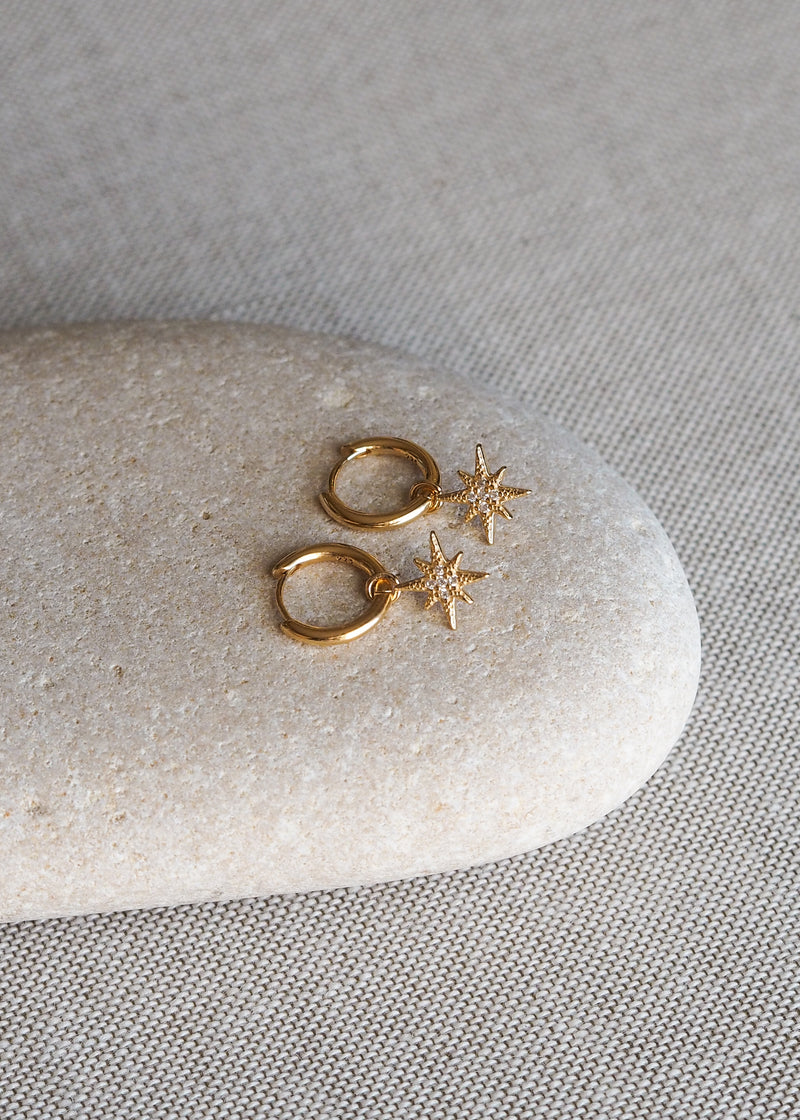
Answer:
(484, 495)
(443, 581)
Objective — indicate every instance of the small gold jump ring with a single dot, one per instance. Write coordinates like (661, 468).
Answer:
(386, 583)
(343, 554)
(427, 489)
(430, 491)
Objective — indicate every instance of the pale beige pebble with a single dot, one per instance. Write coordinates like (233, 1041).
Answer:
(161, 741)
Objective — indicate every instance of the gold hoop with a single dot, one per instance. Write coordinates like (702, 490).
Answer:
(424, 494)
(343, 554)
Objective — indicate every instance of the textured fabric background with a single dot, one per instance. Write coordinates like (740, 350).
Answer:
(595, 207)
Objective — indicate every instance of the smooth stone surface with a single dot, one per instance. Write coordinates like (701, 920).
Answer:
(161, 741)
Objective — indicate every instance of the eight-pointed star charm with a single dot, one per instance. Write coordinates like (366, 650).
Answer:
(443, 580)
(484, 495)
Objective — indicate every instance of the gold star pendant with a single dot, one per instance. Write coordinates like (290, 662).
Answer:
(484, 495)
(442, 580)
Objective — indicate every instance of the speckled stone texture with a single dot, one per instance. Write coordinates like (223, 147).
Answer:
(161, 741)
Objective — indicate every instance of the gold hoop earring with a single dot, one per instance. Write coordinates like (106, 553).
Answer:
(483, 493)
(422, 496)
(442, 580)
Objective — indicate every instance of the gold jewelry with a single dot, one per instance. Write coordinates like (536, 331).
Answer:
(483, 493)
(443, 581)
(422, 497)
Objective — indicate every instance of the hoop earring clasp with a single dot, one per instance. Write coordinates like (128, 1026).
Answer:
(424, 495)
(380, 597)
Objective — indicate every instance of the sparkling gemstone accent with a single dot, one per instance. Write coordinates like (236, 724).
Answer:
(484, 494)
(443, 580)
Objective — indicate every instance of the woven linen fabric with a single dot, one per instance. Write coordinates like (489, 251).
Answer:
(595, 208)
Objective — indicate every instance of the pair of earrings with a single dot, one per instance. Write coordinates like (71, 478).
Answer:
(443, 580)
